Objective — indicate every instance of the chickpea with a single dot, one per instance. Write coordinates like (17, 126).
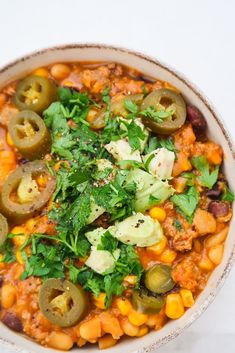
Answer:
(60, 71)
(129, 329)
(8, 296)
(60, 340)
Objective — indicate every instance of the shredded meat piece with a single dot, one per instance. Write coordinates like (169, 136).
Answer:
(7, 112)
(188, 275)
(181, 240)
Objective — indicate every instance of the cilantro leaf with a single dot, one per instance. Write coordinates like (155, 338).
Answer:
(206, 178)
(131, 106)
(156, 115)
(188, 202)
(154, 142)
(135, 135)
(46, 261)
(108, 242)
(228, 195)
(7, 249)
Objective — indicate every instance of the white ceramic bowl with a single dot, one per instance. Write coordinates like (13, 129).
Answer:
(217, 132)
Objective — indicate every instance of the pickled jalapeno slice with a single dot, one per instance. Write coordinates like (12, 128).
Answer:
(35, 93)
(30, 135)
(62, 302)
(168, 101)
(21, 198)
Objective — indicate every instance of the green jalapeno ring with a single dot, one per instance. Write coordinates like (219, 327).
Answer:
(15, 212)
(35, 93)
(146, 303)
(3, 229)
(171, 101)
(158, 279)
(62, 302)
(30, 135)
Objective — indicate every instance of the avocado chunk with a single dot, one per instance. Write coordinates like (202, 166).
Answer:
(96, 211)
(94, 236)
(139, 230)
(150, 190)
(102, 261)
(160, 163)
(121, 150)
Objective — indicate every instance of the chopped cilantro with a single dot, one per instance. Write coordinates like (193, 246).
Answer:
(178, 225)
(207, 178)
(131, 106)
(7, 249)
(228, 195)
(154, 142)
(46, 261)
(187, 202)
(108, 242)
(190, 178)
(157, 115)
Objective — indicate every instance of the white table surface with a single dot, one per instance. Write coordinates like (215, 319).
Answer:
(195, 37)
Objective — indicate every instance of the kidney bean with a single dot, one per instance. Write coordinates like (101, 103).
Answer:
(13, 322)
(218, 208)
(214, 193)
(196, 119)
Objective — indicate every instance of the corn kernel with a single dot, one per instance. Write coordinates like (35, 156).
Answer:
(42, 180)
(174, 306)
(131, 279)
(143, 331)
(124, 306)
(9, 140)
(158, 213)
(68, 83)
(19, 257)
(137, 318)
(19, 240)
(168, 255)
(18, 230)
(187, 297)
(158, 247)
(42, 71)
(100, 301)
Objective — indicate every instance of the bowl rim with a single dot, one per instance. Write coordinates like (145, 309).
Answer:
(151, 347)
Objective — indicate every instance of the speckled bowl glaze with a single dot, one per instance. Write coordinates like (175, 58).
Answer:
(217, 132)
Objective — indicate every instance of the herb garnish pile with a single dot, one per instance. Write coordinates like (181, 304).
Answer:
(80, 183)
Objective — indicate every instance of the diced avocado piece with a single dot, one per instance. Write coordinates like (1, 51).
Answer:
(160, 162)
(150, 190)
(96, 211)
(139, 230)
(94, 236)
(141, 125)
(102, 261)
(121, 150)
